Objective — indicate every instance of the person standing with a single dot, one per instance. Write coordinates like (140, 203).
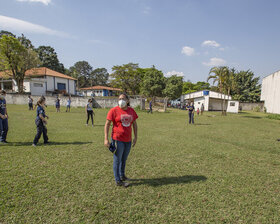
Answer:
(41, 122)
(89, 112)
(151, 107)
(30, 102)
(122, 117)
(202, 109)
(3, 118)
(57, 104)
(191, 110)
(68, 104)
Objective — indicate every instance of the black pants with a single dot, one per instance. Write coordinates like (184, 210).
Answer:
(151, 110)
(41, 129)
(191, 115)
(90, 115)
(30, 106)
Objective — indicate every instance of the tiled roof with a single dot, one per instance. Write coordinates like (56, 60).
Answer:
(100, 88)
(38, 72)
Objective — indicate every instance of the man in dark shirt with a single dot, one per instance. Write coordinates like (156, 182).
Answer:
(191, 110)
(3, 118)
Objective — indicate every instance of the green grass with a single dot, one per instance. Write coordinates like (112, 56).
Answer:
(221, 170)
(274, 116)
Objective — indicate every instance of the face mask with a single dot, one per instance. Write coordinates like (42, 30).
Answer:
(122, 103)
(2, 97)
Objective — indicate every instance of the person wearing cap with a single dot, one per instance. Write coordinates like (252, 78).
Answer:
(3, 118)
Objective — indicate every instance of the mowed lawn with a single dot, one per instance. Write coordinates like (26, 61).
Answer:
(221, 170)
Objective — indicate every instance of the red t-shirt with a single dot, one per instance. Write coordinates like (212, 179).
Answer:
(122, 120)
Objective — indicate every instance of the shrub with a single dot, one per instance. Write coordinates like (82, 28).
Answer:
(274, 116)
(257, 109)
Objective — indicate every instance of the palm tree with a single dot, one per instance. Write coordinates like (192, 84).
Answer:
(221, 76)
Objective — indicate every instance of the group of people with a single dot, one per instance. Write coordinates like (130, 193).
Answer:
(191, 109)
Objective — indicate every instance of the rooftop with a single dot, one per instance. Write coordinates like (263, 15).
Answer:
(35, 72)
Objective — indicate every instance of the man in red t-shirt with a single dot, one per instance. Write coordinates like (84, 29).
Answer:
(122, 117)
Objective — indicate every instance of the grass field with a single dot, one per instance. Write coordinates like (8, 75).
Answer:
(221, 170)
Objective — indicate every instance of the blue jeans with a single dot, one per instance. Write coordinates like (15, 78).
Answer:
(191, 120)
(3, 129)
(120, 157)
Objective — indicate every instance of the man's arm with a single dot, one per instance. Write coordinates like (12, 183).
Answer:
(135, 130)
(106, 133)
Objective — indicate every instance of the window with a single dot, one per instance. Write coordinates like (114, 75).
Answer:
(232, 104)
(37, 84)
(61, 86)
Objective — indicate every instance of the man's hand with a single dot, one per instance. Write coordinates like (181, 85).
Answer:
(134, 142)
(106, 143)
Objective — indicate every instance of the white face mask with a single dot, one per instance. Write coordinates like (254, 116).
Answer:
(122, 103)
(2, 97)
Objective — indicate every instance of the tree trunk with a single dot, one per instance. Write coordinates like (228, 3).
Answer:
(19, 82)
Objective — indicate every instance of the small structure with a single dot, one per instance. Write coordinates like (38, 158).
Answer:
(100, 91)
(212, 101)
(271, 92)
(40, 81)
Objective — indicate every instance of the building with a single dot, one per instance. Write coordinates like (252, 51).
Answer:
(271, 93)
(40, 81)
(212, 101)
(100, 91)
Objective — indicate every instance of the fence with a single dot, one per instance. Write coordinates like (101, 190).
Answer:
(99, 102)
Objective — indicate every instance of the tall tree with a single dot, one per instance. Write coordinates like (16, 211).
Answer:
(7, 33)
(173, 87)
(153, 82)
(189, 87)
(246, 88)
(81, 70)
(127, 77)
(17, 59)
(221, 76)
(99, 76)
(49, 58)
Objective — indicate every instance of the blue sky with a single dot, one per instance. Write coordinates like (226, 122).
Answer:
(186, 37)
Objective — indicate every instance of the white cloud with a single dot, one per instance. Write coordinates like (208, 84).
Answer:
(188, 51)
(215, 62)
(45, 2)
(168, 74)
(147, 10)
(210, 43)
(9, 23)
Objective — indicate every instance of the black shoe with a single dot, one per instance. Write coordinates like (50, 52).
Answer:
(124, 178)
(5, 142)
(46, 142)
(122, 184)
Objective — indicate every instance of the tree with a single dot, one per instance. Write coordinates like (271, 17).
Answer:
(189, 87)
(173, 87)
(49, 58)
(221, 76)
(81, 71)
(153, 82)
(7, 33)
(99, 76)
(246, 88)
(127, 77)
(17, 59)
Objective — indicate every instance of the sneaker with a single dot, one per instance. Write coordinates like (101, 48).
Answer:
(34, 145)
(124, 178)
(123, 184)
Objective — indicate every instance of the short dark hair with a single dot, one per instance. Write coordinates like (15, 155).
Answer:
(2, 91)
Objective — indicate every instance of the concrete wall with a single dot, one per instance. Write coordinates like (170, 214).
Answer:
(198, 102)
(251, 106)
(232, 106)
(76, 101)
(271, 92)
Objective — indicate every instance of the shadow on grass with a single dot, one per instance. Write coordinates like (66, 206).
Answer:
(253, 117)
(201, 124)
(50, 143)
(156, 182)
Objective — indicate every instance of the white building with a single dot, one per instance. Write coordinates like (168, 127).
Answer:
(271, 92)
(99, 91)
(212, 101)
(40, 81)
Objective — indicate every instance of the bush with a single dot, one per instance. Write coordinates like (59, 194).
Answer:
(265, 110)
(257, 109)
(274, 116)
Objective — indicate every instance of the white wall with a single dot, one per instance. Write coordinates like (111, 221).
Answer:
(271, 92)
(198, 102)
(232, 106)
(215, 104)
(52, 84)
